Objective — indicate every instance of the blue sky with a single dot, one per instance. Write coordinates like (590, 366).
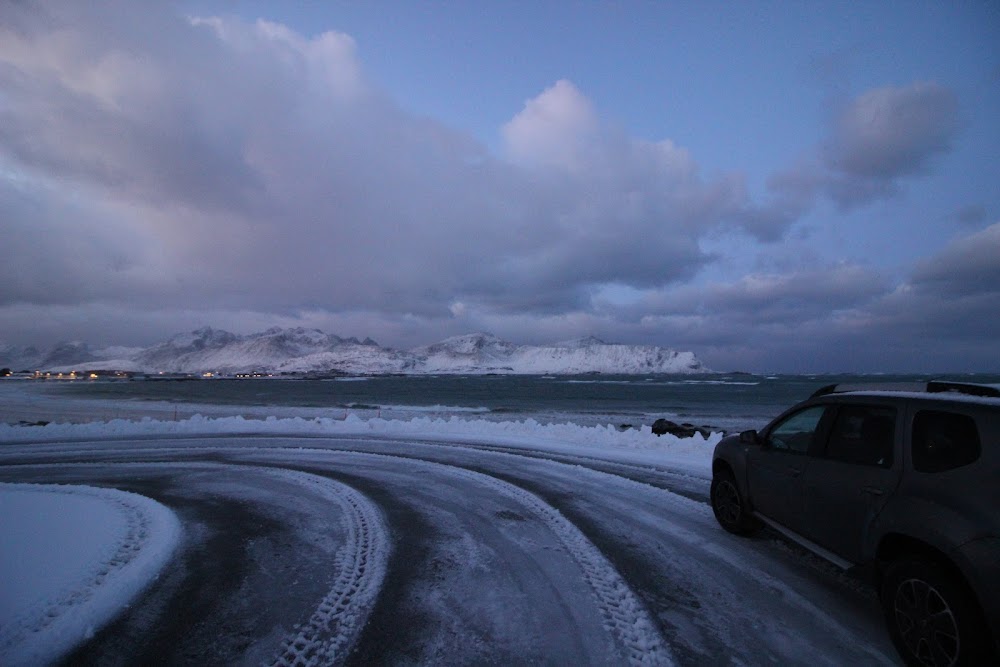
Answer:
(801, 187)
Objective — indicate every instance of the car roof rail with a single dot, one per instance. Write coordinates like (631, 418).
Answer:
(844, 387)
(932, 387)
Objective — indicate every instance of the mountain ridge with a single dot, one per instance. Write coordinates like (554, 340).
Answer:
(299, 350)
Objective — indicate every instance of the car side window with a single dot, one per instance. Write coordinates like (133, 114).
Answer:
(863, 435)
(944, 441)
(796, 432)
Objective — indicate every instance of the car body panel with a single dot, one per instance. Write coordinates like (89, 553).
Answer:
(776, 488)
(842, 502)
(984, 581)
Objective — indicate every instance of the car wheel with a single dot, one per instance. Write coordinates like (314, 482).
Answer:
(932, 619)
(729, 507)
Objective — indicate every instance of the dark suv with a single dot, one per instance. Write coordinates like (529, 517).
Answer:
(900, 482)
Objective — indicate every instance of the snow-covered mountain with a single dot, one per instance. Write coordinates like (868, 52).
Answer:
(75, 354)
(18, 357)
(275, 350)
(302, 350)
(483, 352)
(67, 354)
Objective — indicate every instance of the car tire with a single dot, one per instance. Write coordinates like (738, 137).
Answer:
(730, 507)
(932, 618)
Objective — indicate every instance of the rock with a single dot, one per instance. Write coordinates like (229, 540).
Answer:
(686, 430)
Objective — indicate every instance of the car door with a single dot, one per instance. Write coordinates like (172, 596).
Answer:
(775, 468)
(848, 483)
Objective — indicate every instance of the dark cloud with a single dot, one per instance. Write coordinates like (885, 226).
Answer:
(777, 305)
(877, 140)
(941, 318)
(892, 132)
(969, 267)
(59, 251)
(972, 215)
(885, 135)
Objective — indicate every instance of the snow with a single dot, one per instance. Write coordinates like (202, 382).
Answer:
(72, 557)
(634, 445)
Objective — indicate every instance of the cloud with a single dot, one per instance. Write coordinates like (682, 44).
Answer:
(160, 172)
(885, 135)
(969, 265)
(58, 250)
(776, 303)
(243, 166)
(877, 140)
(940, 318)
(971, 215)
(89, 101)
(556, 128)
(891, 132)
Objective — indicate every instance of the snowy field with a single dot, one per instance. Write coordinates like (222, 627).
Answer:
(293, 540)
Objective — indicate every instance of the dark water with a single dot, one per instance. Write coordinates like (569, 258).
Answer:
(731, 402)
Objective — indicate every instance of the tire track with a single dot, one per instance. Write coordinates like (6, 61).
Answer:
(625, 617)
(326, 638)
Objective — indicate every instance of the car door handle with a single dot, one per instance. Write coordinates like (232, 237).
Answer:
(873, 490)
(794, 470)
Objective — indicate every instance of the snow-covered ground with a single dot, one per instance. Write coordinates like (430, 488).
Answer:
(360, 541)
(71, 558)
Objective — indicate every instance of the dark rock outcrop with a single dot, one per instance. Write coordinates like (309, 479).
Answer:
(685, 430)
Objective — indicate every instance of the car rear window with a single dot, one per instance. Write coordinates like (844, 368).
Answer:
(944, 441)
(863, 435)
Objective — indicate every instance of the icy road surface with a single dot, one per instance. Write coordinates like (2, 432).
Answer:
(390, 550)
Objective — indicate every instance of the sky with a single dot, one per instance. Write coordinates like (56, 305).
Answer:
(775, 186)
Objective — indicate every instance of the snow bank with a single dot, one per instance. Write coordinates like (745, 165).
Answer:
(71, 558)
(636, 445)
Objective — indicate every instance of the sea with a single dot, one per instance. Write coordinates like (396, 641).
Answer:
(727, 402)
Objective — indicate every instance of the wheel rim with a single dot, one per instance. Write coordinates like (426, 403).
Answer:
(727, 502)
(926, 623)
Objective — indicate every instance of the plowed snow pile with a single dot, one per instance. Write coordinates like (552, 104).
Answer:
(72, 558)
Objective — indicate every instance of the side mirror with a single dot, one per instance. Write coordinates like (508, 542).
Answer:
(750, 437)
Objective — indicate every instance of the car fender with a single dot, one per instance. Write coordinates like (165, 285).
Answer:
(922, 520)
(732, 453)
